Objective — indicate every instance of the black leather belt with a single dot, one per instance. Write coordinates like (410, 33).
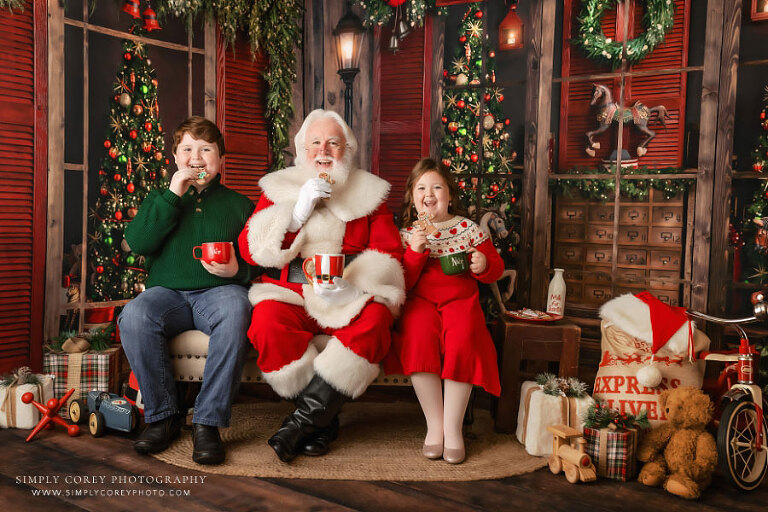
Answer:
(296, 272)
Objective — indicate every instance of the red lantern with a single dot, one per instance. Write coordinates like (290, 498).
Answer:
(150, 20)
(132, 8)
(511, 30)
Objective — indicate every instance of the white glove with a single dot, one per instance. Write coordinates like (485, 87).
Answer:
(343, 292)
(310, 193)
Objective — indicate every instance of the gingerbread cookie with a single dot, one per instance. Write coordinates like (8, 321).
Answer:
(201, 175)
(425, 222)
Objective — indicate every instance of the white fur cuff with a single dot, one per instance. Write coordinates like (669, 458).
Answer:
(380, 275)
(345, 371)
(292, 378)
(266, 231)
(260, 292)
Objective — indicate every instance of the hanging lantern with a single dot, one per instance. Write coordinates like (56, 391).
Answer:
(150, 20)
(511, 30)
(132, 8)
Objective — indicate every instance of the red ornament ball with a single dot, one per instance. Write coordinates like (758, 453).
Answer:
(444, 119)
(137, 110)
(474, 157)
(459, 150)
(118, 215)
(113, 152)
(462, 184)
(501, 97)
(461, 103)
(463, 39)
(513, 199)
(107, 143)
(159, 127)
(492, 54)
(447, 162)
(494, 187)
(99, 269)
(133, 134)
(479, 14)
(117, 177)
(103, 191)
(395, 3)
(167, 161)
(445, 73)
(130, 188)
(127, 56)
(102, 172)
(487, 97)
(506, 122)
(762, 114)
(152, 175)
(148, 126)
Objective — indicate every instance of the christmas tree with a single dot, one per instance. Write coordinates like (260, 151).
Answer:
(760, 154)
(134, 164)
(477, 146)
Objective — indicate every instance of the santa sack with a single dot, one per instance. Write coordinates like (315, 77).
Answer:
(539, 409)
(627, 348)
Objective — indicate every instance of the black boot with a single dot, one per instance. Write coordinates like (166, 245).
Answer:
(157, 436)
(316, 407)
(207, 447)
(320, 442)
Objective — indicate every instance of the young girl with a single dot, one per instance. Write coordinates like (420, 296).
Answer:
(441, 334)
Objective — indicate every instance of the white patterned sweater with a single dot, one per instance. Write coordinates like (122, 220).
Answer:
(453, 235)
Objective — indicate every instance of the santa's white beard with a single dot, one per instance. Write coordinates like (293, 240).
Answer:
(338, 172)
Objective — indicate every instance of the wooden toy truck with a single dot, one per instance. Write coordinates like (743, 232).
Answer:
(575, 462)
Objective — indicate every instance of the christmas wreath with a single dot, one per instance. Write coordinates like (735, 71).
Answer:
(658, 19)
(379, 12)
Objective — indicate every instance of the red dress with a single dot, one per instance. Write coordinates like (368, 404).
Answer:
(442, 327)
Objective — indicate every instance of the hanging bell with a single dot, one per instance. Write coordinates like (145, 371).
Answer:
(403, 29)
(132, 8)
(394, 43)
(150, 20)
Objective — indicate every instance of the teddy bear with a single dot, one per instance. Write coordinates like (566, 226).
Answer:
(680, 455)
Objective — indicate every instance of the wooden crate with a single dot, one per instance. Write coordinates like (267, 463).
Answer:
(651, 236)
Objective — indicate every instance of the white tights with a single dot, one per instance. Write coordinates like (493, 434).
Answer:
(444, 415)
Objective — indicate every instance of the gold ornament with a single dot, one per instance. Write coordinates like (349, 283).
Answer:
(125, 100)
(488, 121)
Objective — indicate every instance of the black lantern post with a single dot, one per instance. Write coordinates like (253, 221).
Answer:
(348, 35)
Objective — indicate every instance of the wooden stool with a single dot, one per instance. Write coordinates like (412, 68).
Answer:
(521, 342)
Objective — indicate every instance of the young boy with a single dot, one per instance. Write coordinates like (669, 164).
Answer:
(183, 293)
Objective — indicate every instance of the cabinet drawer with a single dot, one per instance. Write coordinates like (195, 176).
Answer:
(597, 294)
(633, 214)
(658, 196)
(671, 297)
(599, 254)
(629, 256)
(631, 276)
(570, 232)
(633, 234)
(599, 233)
(574, 291)
(665, 260)
(571, 212)
(597, 275)
(666, 236)
(569, 254)
(601, 213)
(662, 279)
(667, 216)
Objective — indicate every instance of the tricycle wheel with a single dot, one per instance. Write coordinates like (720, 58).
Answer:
(741, 463)
(96, 424)
(77, 411)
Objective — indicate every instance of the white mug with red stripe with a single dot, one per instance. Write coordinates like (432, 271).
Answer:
(323, 268)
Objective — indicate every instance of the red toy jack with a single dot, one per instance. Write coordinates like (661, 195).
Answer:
(50, 414)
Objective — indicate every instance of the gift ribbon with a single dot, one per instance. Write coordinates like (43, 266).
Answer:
(74, 366)
(9, 403)
(602, 454)
(527, 407)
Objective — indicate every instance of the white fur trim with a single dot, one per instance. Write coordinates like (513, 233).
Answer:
(323, 233)
(633, 316)
(292, 378)
(266, 231)
(260, 292)
(345, 371)
(362, 193)
(376, 274)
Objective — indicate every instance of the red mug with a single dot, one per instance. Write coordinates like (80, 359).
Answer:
(323, 268)
(211, 252)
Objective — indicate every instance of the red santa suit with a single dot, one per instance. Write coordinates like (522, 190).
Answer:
(287, 315)
(442, 328)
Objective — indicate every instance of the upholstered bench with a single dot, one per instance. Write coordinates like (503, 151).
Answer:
(189, 351)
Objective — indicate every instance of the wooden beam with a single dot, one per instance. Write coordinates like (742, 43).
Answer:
(436, 111)
(210, 70)
(544, 49)
(55, 225)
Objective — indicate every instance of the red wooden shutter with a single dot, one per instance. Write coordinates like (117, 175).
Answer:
(241, 101)
(576, 115)
(402, 85)
(23, 146)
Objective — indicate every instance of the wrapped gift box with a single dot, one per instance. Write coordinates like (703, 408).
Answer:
(83, 371)
(613, 451)
(538, 410)
(16, 414)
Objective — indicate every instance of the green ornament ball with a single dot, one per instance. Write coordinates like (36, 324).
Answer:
(463, 131)
(491, 168)
(130, 259)
(144, 89)
(122, 159)
(108, 240)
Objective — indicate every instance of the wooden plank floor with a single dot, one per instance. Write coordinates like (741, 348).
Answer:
(28, 470)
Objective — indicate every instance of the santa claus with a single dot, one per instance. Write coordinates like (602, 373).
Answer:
(324, 204)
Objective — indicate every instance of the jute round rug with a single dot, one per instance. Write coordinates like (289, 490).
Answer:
(377, 441)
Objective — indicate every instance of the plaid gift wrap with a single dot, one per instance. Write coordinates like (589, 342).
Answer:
(83, 371)
(614, 452)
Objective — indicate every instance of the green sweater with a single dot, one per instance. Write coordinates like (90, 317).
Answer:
(167, 227)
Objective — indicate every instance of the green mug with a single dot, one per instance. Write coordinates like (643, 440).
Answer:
(453, 264)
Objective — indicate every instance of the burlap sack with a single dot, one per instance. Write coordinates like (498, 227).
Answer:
(623, 355)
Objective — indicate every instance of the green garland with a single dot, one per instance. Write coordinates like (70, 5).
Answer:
(379, 12)
(272, 26)
(601, 416)
(12, 4)
(561, 386)
(603, 189)
(658, 20)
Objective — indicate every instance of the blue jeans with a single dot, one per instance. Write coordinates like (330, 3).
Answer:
(158, 314)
